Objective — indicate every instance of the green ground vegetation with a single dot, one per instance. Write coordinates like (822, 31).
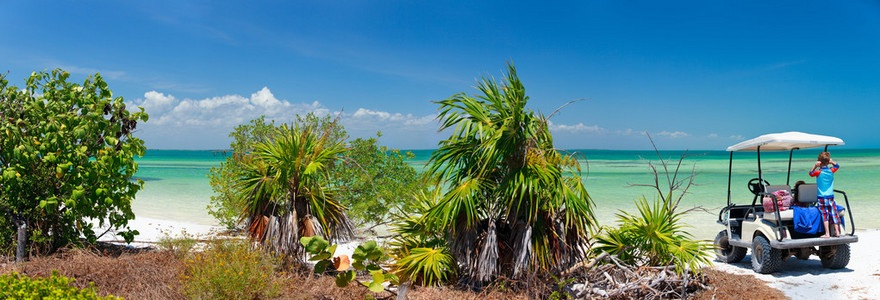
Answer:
(230, 269)
(17, 286)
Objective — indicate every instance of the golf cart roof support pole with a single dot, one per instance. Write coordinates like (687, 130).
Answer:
(729, 177)
(826, 148)
(760, 174)
(787, 178)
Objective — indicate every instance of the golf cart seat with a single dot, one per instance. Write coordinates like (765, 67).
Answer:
(785, 215)
(806, 193)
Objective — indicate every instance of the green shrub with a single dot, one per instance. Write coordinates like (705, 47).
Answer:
(67, 159)
(180, 246)
(17, 286)
(654, 236)
(420, 254)
(229, 269)
(367, 257)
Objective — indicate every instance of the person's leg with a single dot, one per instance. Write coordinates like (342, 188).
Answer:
(836, 217)
(824, 213)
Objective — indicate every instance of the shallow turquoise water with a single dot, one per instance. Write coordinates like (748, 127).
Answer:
(177, 185)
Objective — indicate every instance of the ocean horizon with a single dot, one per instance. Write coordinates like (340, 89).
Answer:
(177, 188)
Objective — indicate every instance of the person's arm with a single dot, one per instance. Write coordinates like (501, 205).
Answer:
(835, 167)
(813, 172)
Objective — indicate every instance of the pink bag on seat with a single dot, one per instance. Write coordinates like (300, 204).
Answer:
(783, 200)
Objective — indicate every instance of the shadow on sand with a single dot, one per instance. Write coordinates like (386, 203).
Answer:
(792, 267)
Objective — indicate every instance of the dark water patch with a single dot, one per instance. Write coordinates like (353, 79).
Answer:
(175, 166)
(620, 166)
(146, 179)
(618, 163)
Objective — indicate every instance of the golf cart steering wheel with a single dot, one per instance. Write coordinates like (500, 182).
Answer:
(755, 185)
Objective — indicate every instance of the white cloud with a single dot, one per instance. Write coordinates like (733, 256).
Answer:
(628, 131)
(713, 135)
(363, 115)
(579, 127)
(227, 110)
(736, 137)
(673, 134)
(213, 118)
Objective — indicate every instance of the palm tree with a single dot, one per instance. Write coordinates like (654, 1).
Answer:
(285, 192)
(515, 204)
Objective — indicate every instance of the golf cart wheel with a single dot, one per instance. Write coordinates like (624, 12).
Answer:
(834, 257)
(765, 260)
(725, 252)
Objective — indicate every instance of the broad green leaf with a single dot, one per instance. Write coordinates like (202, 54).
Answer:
(332, 250)
(373, 268)
(321, 266)
(376, 287)
(316, 245)
(343, 278)
(320, 256)
(358, 265)
(378, 276)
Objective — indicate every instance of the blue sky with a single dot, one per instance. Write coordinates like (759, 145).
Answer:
(695, 74)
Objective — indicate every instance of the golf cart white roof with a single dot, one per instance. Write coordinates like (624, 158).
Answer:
(786, 141)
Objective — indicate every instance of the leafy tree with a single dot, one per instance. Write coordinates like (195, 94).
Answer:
(285, 189)
(226, 204)
(67, 159)
(371, 178)
(514, 204)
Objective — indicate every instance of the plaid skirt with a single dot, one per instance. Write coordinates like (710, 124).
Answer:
(828, 209)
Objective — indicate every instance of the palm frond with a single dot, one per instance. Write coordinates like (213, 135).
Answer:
(510, 202)
(286, 192)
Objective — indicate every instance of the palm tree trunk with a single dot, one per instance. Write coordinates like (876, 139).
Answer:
(522, 247)
(487, 263)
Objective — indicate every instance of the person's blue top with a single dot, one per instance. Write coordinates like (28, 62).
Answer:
(825, 180)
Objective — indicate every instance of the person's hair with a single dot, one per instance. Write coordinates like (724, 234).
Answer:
(825, 158)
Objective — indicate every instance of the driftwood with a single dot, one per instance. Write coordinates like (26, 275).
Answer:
(608, 277)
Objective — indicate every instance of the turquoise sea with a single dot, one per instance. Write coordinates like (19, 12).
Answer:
(177, 185)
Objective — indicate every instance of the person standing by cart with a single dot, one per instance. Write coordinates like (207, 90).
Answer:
(824, 170)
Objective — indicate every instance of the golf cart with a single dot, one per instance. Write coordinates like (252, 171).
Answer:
(771, 235)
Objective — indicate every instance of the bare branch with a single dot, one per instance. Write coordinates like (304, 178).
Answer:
(564, 105)
(544, 123)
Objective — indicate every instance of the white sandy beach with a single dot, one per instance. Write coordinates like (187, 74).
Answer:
(807, 279)
(152, 230)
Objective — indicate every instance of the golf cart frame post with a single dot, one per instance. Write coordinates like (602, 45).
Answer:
(779, 142)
